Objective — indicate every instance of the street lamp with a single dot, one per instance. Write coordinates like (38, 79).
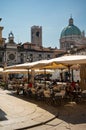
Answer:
(72, 50)
(29, 59)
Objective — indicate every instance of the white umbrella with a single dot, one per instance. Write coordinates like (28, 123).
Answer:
(28, 66)
(8, 71)
(70, 59)
(43, 71)
(66, 60)
(31, 65)
(1, 70)
(75, 67)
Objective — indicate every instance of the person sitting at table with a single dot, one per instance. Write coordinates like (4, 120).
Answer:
(25, 89)
(68, 89)
(73, 85)
(77, 87)
(77, 90)
(30, 85)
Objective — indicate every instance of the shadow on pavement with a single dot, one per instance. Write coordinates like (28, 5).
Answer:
(73, 113)
(2, 115)
(69, 112)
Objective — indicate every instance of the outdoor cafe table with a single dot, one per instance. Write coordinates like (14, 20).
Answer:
(76, 93)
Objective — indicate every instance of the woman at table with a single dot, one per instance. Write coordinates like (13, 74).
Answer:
(77, 87)
(68, 89)
(73, 84)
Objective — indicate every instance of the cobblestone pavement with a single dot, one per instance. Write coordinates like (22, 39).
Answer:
(18, 113)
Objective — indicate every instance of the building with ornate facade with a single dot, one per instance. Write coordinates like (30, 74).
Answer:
(15, 53)
(72, 36)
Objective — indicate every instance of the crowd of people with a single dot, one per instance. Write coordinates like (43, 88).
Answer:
(72, 87)
(52, 90)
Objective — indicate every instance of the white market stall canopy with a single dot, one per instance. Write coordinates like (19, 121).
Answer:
(30, 65)
(8, 71)
(1, 70)
(64, 60)
(70, 59)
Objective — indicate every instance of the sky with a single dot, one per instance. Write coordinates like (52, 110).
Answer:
(19, 16)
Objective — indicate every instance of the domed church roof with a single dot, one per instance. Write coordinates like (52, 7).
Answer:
(71, 29)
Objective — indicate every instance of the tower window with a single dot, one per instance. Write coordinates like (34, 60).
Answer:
(1, 59)
(21, 54)
(48, 56)
(37, 34)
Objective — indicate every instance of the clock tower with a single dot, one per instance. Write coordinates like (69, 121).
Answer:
(2, 40)
(36, 35)
(11, 50)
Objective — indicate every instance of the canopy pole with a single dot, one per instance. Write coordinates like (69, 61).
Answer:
(72, 75)
(69, 72)
(28, 76)
(45, 75)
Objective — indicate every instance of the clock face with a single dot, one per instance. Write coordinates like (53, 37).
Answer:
(11, 56)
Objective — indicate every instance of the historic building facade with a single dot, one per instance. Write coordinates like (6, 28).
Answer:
(36, 35)
(72, 36)
(15, 53)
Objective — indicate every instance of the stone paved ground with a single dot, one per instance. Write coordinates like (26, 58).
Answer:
(17, 113)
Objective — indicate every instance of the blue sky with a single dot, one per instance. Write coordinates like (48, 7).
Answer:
(19, 16)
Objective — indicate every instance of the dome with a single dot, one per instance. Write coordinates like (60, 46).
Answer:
(71, 29)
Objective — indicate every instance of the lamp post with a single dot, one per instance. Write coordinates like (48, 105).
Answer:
(29, 59)
(71, 51)
(28, 70)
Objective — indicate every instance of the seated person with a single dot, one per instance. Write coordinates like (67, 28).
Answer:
(30, 85)
(77, 87)
(68, 89)
(73, 85)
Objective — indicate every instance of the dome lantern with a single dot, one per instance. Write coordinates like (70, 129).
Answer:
(70, 21)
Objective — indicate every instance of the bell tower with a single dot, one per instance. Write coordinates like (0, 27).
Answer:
(36, 35)
(11, 37)
(1, 28)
